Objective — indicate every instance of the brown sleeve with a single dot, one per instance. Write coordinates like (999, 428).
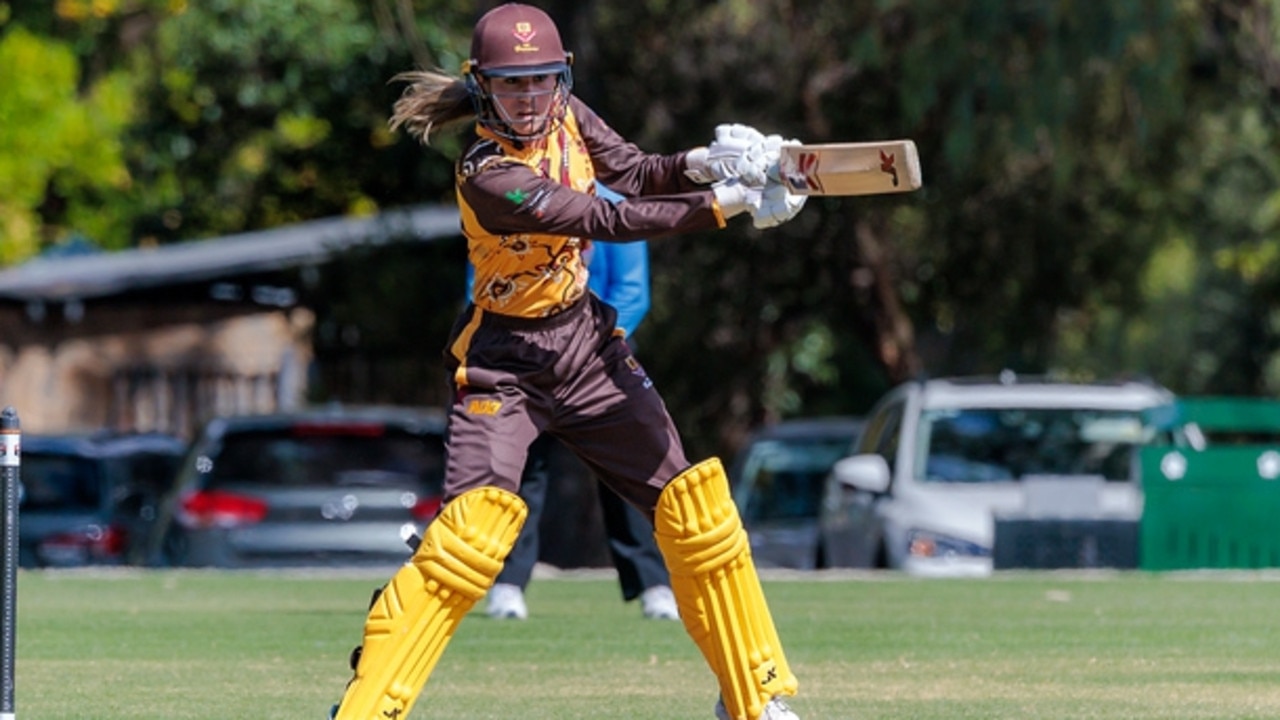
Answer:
(509, 197)
(624, 167)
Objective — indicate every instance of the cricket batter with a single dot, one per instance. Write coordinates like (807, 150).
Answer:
(536, 352)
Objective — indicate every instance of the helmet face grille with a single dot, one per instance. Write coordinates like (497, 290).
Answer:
(489, 115)
(515, 40)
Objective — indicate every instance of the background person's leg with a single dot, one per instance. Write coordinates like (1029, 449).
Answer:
(641, 570)
(631, 545)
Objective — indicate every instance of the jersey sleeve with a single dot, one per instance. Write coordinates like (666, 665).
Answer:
(509, 198)
(626, 168)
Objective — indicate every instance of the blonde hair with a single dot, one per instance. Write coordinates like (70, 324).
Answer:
(433, 101)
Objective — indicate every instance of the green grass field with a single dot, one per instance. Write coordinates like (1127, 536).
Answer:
(175, 645)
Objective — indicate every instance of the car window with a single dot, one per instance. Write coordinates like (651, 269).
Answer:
(979, 445)
(393, 459)
(783, 479)
(55, 482)
(148, 474)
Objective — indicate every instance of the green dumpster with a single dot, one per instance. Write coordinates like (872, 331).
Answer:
(1218, 506)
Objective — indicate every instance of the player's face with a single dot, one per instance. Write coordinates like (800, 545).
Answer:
(524, 101)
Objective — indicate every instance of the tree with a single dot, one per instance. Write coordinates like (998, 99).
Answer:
(1100, 177)
(1206, 323)
(1048, 132)
(259, 114)
(58, 145)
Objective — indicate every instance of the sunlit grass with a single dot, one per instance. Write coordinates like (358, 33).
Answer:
(178, 645)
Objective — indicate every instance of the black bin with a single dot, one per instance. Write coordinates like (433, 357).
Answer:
(1047, 543)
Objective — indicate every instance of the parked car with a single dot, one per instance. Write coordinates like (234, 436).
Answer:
(320, 486)
(777, 483)
(91, 499)
(940, 459)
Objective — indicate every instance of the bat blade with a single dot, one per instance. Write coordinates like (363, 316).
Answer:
(867, 168)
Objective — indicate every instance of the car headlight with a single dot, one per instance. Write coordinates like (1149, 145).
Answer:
(925, 544)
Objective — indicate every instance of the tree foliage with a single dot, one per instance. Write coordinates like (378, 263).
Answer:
(260, 114)
(1207, 322)
(1049, 133)
(59, 145)
(1101, 178)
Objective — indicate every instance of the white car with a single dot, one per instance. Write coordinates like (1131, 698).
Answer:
(940, 460)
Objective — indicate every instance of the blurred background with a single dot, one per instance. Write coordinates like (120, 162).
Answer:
(1101, 189)
(202, 211)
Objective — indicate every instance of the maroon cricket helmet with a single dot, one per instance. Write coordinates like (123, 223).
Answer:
(517, 39)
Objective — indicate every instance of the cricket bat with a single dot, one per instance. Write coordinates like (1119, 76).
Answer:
(866, 168)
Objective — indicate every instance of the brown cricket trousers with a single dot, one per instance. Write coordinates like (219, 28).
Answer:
(568, 375)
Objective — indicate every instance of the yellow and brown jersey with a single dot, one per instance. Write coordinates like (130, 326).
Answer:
(529, 209)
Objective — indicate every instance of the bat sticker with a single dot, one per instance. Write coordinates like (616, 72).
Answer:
(847, 169)
(804, 173)
(887, 166)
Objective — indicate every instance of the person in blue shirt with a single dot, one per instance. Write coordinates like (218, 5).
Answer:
(619, 275)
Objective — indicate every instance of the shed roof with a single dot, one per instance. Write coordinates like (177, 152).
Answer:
(81, 277)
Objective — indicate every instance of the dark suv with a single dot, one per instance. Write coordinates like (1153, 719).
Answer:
(91, 499)
(778, 480)
(322, 486)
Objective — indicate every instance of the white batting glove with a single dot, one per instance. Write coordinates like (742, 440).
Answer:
(734, 198)
(777, 205)
(759, 163)
(736, 153)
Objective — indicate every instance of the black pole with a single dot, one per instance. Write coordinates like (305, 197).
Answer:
(10, 466)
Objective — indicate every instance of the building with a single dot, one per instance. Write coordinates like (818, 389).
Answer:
(162, 338)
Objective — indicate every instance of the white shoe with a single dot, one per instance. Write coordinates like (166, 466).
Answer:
(775, 710)
(506, 601)
(659, 603)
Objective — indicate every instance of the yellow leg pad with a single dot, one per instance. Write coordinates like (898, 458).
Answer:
(418, 611)
(716, 587)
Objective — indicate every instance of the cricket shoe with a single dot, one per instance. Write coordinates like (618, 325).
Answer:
(506, 602)
(659, 603)
(775, 710)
